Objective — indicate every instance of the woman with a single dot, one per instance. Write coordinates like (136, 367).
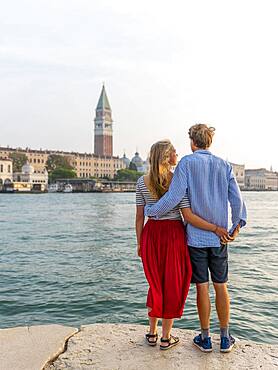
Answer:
(162, 246)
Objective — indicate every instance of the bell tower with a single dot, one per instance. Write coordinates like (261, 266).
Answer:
(103, 132)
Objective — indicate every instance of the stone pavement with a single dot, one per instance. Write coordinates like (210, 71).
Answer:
(122, 347)
(30, 348)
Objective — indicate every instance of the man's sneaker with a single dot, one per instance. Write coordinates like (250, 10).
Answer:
(203, 344)
(227, 344)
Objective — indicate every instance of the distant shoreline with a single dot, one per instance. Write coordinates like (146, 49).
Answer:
(113, 191)
(60, 192)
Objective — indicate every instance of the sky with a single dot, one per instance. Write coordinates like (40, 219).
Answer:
(165, 65)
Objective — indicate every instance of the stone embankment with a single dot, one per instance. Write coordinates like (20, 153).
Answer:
(120, 346)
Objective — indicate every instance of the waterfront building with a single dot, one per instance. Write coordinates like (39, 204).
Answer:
(271, 181)
(261, 179)
(6, 172)
(126, 161)
(239, 172)
(255, 179)
(138, 162)
(28, 180)
(90, 165)
(85, 164)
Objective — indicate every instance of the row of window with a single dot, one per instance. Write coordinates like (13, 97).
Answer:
(87, 164)
(41, 154)
(85, 175)
(2, 168)
(18, 179)
(36, 160)
(37, 171)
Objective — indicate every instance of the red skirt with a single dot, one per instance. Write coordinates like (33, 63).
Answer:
(167, 267)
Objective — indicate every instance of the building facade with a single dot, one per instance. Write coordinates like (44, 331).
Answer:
(28, 180)
(261, 179)
(139, 163)
(239, 172)
(86, 165)
(90, 165)
(271, 180)
(103, 132)
(6, 171)
(126, 161)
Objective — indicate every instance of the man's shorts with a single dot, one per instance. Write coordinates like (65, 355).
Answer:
(213, 259)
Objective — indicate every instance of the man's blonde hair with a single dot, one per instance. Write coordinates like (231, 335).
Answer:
(201, 135)
(159, 159)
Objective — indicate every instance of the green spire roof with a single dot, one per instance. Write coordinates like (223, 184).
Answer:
(103, 102)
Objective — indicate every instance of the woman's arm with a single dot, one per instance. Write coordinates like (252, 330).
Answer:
(200, 223)
(139, 224)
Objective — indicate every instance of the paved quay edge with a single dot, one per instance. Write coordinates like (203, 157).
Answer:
(122, 347)
(32, 347)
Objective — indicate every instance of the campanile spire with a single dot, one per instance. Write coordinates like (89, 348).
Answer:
(103, 132)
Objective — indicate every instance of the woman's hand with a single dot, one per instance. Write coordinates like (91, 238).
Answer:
(232, 237)
(138, 250)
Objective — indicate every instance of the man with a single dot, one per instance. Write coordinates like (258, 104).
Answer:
(210, 184)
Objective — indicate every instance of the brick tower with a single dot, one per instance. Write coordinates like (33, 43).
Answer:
(103, 145)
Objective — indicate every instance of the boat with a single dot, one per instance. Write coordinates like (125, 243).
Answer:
(67, 188)
(53, 188)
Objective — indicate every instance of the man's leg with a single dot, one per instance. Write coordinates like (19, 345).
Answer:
(218, 265)
(204, 306)
(199, 262)
(222, 301)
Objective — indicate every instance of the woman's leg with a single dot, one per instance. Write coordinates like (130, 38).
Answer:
(153, 326)
(166, 329)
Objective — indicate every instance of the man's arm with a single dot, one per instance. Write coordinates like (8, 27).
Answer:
(174, 195)
(200, 223)
(239, 212)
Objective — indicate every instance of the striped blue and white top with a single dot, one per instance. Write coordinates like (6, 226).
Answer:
(144, 197)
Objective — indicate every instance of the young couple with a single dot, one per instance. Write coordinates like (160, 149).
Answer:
(172, 255)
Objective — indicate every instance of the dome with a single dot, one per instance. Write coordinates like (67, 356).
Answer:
(27, 168)
(125, 160)
(137, 160)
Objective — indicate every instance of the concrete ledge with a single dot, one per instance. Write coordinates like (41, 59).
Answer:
(31, 348)
(122, 346)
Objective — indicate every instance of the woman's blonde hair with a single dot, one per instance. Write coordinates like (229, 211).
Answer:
(201, 135)
(159, 167)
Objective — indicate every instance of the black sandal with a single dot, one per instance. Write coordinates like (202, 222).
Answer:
(170, 345)
(151, 342)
